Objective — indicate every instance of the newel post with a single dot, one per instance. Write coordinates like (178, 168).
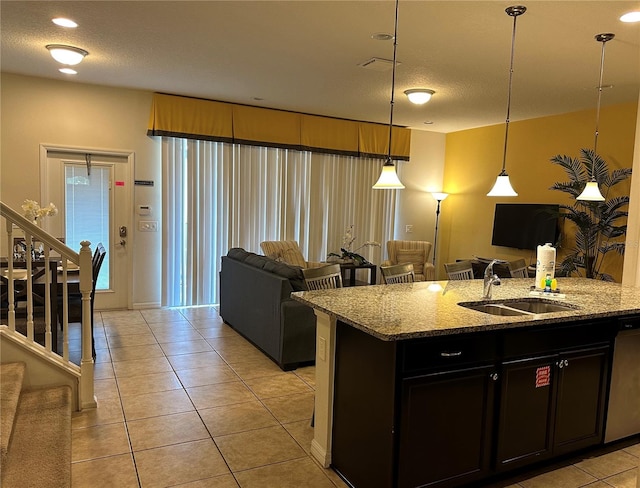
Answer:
(87, 398)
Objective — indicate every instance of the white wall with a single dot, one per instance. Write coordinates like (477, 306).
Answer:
(631, 270)
(420, 176)
(38, 111)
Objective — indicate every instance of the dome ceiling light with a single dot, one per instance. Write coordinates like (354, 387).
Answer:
(419, 96)
(62, 22)
(68, 55)
(631, 17)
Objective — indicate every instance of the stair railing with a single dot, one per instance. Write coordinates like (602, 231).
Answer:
(54, 252)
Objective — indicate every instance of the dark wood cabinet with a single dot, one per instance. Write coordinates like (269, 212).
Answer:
(526, 412)
(551, 405)
(446, 427)
(449, 411)
(581, 395)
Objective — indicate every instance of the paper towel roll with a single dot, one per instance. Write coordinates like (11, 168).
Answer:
(545, 263)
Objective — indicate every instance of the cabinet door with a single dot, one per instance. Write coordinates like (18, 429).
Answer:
(445, 427)
(526, 411)
(581, 387)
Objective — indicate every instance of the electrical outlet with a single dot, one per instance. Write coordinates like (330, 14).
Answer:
(408, 228)
(148, 226)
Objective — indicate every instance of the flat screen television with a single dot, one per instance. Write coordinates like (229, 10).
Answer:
(525, 225)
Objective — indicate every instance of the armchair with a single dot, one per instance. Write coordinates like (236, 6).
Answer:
(287, 251)
(414, 252)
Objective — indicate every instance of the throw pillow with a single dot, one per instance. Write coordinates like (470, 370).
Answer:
(294, 257)
(413, 256)
(238, 253)
(256, 260)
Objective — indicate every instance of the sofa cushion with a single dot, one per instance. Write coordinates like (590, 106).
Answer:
(413, 256)
(256, 260)
(238, 254)
(292, 273)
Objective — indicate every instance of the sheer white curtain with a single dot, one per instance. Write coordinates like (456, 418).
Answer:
(217, 196)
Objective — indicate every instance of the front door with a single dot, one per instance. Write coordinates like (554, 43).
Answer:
(92, 191)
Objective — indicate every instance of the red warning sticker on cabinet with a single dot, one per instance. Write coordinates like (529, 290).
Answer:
(119, 183)
(543, 376)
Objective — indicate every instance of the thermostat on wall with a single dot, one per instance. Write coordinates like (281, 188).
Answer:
(144, 209)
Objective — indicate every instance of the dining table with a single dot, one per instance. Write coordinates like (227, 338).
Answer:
(39, 284)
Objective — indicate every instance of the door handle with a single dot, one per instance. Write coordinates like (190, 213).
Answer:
(122, 242)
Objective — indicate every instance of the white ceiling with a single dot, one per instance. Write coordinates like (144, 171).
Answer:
(303, 55)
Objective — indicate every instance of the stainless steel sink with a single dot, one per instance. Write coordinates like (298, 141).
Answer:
(522, 306)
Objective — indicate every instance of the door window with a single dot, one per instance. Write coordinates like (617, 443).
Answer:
(86, 199)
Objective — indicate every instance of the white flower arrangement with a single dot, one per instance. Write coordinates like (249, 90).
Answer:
(347, 242)
(33, 211)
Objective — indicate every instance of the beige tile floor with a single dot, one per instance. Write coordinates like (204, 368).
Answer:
(183, 400)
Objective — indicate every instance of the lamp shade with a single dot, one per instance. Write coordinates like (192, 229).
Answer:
(439, 196)
(388, 178)
(591, 193)
(419, 96)
(502, 187)
(68, 55)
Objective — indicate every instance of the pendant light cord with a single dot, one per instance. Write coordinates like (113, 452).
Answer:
(393, 83)
(514, 11)
(600, 38)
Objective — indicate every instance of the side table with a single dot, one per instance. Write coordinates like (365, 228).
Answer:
(351, 268)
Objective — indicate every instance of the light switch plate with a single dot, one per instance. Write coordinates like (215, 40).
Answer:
(408, 228)
(148, 226)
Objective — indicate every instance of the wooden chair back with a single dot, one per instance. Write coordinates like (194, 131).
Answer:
(518, 269)
(324, 278)
(461, 270)
(399, 273)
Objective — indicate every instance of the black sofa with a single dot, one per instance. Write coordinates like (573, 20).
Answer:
(255, 300)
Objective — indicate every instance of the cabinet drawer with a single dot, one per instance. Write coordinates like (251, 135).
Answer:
(557, 337)
(443, 353)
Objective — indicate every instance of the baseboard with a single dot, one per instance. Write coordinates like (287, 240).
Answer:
(320, 455)
(145, 305)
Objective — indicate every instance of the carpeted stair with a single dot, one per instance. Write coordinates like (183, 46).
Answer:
(35, 432)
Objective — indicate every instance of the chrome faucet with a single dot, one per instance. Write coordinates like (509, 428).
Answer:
(490, 279)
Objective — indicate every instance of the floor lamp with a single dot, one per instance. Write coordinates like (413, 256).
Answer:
(439, 197)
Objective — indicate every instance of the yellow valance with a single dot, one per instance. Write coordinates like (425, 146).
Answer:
(195, 118)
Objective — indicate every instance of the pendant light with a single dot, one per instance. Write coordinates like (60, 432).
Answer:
(591, 192)
(502, 186)
(388, 177)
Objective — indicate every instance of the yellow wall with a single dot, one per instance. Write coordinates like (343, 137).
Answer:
(473, 159)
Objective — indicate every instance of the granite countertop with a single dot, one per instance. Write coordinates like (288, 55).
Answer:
(422, 309)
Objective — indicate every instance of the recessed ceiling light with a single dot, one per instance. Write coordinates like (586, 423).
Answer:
(381, 36)
(68, 71)
(66, 54)
(62, 22)
(419, 96)
(631, 17)
(428, 122)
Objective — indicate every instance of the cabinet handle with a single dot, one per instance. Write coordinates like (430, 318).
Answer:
(566, 363)
(451, 354)
(494, 376)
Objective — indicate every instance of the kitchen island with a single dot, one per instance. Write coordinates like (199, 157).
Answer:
(413, 389)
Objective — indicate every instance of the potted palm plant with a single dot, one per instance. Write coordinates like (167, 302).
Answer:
(598, 225)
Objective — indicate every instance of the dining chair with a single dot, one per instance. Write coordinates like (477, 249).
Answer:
(399, 273)
(518, 268)
(75, 299)
(324, 278)
(460, 270)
